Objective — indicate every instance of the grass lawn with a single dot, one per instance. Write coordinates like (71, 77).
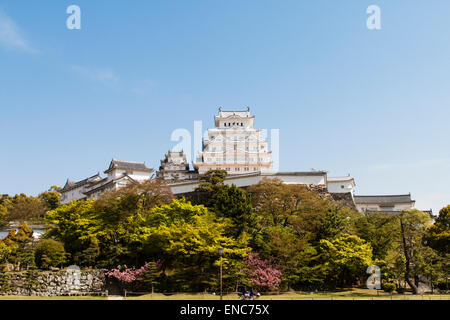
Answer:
(351, 294)
(52, 298)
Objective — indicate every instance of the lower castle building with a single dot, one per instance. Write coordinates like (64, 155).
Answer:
(119, 174)
(174, 167)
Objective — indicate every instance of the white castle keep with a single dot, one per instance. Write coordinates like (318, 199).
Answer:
(235, 146)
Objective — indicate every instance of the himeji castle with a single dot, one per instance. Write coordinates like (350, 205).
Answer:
(236, 146)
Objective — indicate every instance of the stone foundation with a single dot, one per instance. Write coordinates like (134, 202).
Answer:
(47, 284)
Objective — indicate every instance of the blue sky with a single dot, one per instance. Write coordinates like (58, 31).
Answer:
(375, 104)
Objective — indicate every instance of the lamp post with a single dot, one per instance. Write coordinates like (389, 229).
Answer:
(221, 254)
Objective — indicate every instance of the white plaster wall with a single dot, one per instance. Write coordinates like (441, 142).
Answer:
(254, 179)
(376, 207)
(340, 187)
(140, 176)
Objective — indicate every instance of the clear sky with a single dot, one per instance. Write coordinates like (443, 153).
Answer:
(372, 103)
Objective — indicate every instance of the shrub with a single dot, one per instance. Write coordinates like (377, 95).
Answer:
(442, 284)
(389, 287)
(50, 253)
(5, 279)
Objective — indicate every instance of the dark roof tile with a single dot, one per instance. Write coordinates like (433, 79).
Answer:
(383, 199)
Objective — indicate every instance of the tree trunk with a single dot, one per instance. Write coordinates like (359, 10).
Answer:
(407, 258)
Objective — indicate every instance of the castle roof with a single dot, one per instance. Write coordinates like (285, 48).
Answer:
(109, 183)
(70, 185)
(228, 113)
(232, 114)
(384, 199)
(128, 165)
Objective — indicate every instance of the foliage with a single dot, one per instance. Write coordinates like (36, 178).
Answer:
(24, 208)
(276, 237)
(293, 206)
(125, 274)
(187, 239)
(5, 281)
(345, 259)
(227, 202)
(31, 281)
(74, 225)
(292, 221)
(5, 251)
(378, 229)
(438, 235)
(88, 256)
(51, 197)
(150, 276)
(413, 224)
(213, 177)
(263, 274)
(18, 247)
(50, 253)
(388, 287)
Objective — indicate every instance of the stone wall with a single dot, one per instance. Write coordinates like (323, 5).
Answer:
(345, 199)
(59, 283)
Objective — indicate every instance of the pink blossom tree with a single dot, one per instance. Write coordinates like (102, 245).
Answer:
(125, 274)
(263, 274)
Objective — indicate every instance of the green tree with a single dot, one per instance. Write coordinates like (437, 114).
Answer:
(150, 277)
(88, 256)
(335, 222)
(18, 247)
(379, 229)
(74, 224)
(227, 202)
(413, 224)
(51, 197)
(5, 281)
(23, 208)
(295, 206)
(186, 238)
(50, 253)
(345, 259)
(214, 177)
(438, 235)
(5, 251)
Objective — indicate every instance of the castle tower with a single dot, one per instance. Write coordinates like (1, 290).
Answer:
(234, 145)
(175, 167)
